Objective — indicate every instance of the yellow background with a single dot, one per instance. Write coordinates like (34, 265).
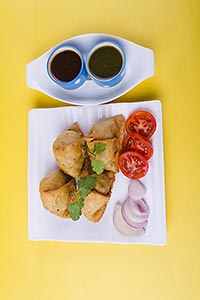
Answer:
(53, 270)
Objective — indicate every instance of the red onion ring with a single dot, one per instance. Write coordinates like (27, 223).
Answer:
(122, 227)
(135, 212)
(136, 189)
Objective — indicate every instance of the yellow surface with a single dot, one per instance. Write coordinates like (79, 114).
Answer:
(53, 270)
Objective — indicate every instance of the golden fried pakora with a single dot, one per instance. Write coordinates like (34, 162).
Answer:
(70, 152)
(96, 202)
(57, 191)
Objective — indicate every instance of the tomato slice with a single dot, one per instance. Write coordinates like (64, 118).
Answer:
(133, 165)
(135, 142)
(142, 122)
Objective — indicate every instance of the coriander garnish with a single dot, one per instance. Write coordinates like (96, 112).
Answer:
(97, 166)
(85, 185)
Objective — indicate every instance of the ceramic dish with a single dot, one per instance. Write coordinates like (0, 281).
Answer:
(44, 126)
(139, 66)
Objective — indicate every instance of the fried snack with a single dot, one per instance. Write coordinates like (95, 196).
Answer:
(109, 157)
(109, 128)
(96, 202)
(73, 152)
(104, 182)
(111, 133)
(57, 192)
(94, 206)
(70, 152)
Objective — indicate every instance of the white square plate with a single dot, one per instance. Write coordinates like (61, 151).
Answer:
(44, 126)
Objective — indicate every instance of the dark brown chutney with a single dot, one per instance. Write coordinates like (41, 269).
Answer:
(66, 65)
(105, 62)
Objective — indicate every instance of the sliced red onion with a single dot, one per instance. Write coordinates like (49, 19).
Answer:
(136, 189)
(135, 212)
(122, 227)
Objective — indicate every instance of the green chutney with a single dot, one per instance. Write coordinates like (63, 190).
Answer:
(105, 62)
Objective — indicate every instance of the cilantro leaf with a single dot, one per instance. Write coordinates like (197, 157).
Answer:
(99, 147)
(85, 185)
(75, 209)
(97, 166)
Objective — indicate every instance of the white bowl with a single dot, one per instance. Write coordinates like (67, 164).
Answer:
(139, 66)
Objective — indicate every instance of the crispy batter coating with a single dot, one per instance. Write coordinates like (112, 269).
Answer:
(70, 153)
(96, 202)
(57, 192)
(109, 128)
(109, 157)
